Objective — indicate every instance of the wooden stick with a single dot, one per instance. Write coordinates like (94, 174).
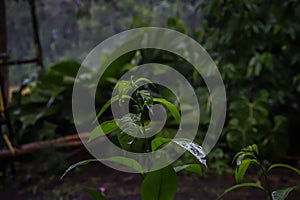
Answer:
(63, 142)
(18, 62)
(9, 145)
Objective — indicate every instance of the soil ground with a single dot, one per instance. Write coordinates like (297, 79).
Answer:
(32, 182)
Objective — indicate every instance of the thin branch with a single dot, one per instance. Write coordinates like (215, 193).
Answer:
(36, 37)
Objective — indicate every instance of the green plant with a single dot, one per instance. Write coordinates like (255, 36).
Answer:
(250, 156)
(218, 163)
(255, 50)
(159, 184)
(40, 110)
(250, 122)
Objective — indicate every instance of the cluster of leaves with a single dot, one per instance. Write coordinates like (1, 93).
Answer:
(131, 122)
(257, 54)
(250, 156)
(159, 184)
(250, 122)
(142, 56)
(41, 109)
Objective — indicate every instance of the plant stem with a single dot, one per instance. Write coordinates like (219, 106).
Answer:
(141, 109)
(267, 184)
(266, 180)
(144, 130)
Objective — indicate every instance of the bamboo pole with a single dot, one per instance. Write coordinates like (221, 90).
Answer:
(63, 142)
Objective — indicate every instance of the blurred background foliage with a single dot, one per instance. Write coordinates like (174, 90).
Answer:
(255, 44)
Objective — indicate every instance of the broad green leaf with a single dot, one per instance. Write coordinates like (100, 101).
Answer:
(171, 107)
(242, 168)
(103, 129)
(241, 186)
(160, 184)
(129, 124)
(133, 164)
(67, 68)
(158, 142)
(196, 168)
(284, 166)
(282, 194)
(129, 130)
(193, 148)
(93, 193)
(49, 77)
(125, 140)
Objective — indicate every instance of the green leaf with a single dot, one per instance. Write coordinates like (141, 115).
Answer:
(247, 155)
(129, 124)
(241, 186)
(160, 185)
(249, 152)
(250, 148)
(158, 142)
(48, 75)
(145, 80)
(125, 140)
(117, 159)
(255, 149)
(196, 168)
(129, 130)
(103, 129)
(258, 68)
(106, 105)
(81, 163)
(124, 87)
(195, 149)
(68, 68)
(242, 168)
(129, 162)
(147, 98)
(93, 193)
(171, 107)
(284, 166)
(282, 194)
